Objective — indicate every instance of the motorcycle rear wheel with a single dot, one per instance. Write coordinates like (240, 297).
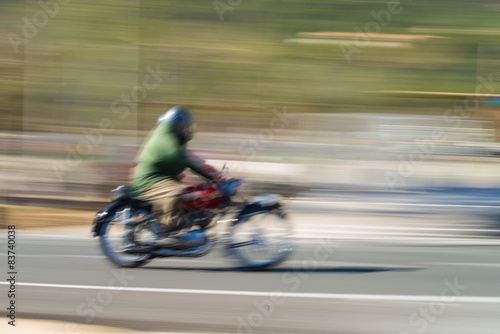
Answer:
(128, 229)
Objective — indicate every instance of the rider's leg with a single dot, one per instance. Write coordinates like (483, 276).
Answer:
(164, 196)
(175, 205)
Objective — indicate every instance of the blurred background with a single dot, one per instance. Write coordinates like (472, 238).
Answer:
(293, 95)
(377, 121)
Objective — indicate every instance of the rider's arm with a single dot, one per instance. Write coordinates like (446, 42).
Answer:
(200, 167)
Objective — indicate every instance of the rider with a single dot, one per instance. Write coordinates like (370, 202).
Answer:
(162, 160)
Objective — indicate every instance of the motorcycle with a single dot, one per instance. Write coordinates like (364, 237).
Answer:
(258, 234)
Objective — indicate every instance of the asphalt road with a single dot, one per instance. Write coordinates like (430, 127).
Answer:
(327, 286)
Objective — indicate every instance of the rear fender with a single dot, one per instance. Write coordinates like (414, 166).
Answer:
(104, 216)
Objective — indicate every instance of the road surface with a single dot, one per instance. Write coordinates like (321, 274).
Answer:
(377, 263)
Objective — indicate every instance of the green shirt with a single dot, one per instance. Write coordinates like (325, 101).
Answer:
(162, 157)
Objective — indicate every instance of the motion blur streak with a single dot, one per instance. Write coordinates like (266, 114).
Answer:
(378, 122)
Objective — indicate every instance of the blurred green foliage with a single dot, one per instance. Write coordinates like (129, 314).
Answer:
(90, 54)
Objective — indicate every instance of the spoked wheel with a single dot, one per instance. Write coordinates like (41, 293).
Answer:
(261, 240)
(128, 235)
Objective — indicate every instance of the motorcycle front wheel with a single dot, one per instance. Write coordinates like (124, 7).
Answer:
(260, 241)
(126, 233)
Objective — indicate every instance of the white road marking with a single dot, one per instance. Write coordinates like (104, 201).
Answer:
(340, 296)
(331, 229)
(103, 257)
(398, 240)
(60, 255)
(389, 204)
(491, 265)
(309, 235)
(58, 236)
(404, 228)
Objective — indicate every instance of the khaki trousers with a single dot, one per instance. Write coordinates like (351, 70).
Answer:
(164, 196)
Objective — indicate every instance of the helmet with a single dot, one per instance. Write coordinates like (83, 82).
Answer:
(181, 121)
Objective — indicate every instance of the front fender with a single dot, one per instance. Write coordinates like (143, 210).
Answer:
(260, 203)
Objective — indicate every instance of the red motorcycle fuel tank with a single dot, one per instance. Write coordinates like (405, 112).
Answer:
(207, 197)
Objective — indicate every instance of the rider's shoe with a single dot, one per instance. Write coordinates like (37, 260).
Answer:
(170, 242)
